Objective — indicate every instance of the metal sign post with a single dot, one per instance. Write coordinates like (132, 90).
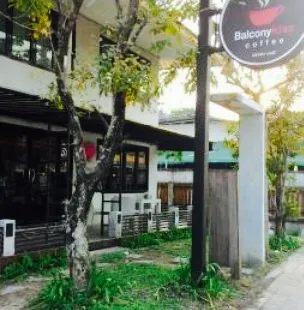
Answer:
(200, 176)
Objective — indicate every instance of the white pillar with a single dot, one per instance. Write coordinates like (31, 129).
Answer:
(175, 210)
(115, 223)
(150, 219)
(252, 188)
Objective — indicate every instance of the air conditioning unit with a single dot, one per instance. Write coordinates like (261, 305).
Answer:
(8, 230)
(148, 204)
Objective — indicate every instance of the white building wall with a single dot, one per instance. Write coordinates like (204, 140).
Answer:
(21, 77)
(217, 129)
(296, 179)
(175, 176)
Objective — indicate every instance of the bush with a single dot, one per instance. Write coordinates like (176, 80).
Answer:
(285, 243)
(150, 239)
(213, 283)
(27, 264)
(60, 294)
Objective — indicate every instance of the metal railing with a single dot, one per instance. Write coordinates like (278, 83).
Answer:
(134, 224)
(40, 237)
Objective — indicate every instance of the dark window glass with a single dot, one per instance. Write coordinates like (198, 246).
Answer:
(142, 169)
(44, 53)
(115, 174)
(2, 26)
(129, 170)
(21, 38)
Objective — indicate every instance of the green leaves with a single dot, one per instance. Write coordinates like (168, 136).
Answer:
(127, 73)
(38, 12)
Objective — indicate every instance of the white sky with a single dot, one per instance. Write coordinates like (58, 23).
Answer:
(174, 96)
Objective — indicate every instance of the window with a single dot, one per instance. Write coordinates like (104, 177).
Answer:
(18, 42)
(3, 6)
(105, 43)
(21, 39)
(130, 170)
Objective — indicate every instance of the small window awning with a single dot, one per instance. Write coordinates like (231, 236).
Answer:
(32, 108)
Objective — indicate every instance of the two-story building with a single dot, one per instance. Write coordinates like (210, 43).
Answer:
(36, 167)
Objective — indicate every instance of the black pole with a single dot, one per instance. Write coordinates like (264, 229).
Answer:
(201, 148)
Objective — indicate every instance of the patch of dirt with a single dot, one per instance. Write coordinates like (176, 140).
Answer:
(19, 299)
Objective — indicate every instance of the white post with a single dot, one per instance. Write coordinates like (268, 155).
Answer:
(115, 224)
(252, 188)
(9, 236)
(150, 220)
(175, 210)
(158, 206)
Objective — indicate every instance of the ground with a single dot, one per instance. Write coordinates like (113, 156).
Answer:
(143, 273)
(287, 286)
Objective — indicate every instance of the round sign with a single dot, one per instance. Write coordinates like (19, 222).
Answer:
(262, 33)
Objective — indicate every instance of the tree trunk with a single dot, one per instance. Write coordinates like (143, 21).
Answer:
(77, 241)
(279, 226)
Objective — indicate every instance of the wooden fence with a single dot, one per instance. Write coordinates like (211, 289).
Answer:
(223, 200)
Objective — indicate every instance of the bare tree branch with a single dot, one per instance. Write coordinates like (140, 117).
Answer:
(141, 27)
(119, 10)
(102, 119)
(125, 29)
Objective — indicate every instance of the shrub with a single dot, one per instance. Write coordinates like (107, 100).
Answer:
(156, 238)
(285, 243)
(213, 283)
(27, 264)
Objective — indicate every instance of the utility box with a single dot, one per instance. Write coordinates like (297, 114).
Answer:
(8, 229)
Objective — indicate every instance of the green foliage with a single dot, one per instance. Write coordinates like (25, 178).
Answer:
(125, 287)
(212, 284)
(284, 243)
(38, 12)
(292, 207)
(29, 265)
(157, 238)
(113, 257)
(133, 286)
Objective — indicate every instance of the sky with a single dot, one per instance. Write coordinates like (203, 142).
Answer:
(174, 96)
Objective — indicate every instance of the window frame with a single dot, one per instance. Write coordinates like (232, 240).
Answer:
(8, 49)
(106, 41)
(129, 148)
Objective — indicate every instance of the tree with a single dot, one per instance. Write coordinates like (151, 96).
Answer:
(119, 73)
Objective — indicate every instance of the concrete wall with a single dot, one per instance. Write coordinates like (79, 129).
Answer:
(296, 179)
(175, 176)
(217, 129)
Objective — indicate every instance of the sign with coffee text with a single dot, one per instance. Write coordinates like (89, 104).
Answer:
(262, 33)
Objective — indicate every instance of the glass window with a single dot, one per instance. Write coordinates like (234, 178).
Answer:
(115, 174)
(2, 26)
(141, 178)
(44, 53)
(21, 38)
(129, 170)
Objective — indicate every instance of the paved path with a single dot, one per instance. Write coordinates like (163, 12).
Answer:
(286, 292)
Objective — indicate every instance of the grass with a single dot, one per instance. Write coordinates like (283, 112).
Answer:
(156, 238)
(159, 285)
(27, 265)
(285, 243)
(113, 258)
(134, 286)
